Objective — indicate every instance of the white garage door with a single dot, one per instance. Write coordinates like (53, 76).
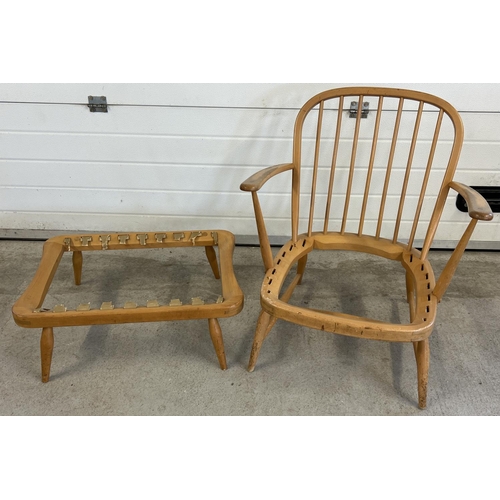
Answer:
(172, 156)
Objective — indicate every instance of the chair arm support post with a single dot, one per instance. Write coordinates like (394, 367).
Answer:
(479, 209)
(253, 185)
(265, 246)
(477, 206)
(450, 268)
(257, 180)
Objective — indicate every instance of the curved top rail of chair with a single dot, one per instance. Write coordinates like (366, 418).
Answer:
(384, 92)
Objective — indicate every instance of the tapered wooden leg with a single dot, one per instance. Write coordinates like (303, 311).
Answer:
(77, 266)
(423, 359)
(46, 348)
(410, 295)
(301, 267)
(410, 298)
(260, 334)
(212, 258)
(216, 335)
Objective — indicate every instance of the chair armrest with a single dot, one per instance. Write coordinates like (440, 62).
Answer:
(477, 206)
(257, 180)
(479, 209)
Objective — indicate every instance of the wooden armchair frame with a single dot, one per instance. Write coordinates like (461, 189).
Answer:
(28, 312)
(423, 291)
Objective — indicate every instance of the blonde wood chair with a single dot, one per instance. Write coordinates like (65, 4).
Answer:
(374, 181)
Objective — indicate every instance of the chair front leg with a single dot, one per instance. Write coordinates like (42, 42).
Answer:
(261, 332)
(301, 267)
(422, 353)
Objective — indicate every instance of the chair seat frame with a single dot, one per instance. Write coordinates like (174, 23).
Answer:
(418, 271)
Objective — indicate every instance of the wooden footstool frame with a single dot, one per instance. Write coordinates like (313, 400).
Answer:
(27, 310)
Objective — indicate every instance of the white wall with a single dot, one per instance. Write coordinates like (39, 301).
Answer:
(173, 156)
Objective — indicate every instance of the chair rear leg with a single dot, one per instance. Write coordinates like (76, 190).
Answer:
(77, 266)
(422, 353)
(212, 258)
(216, 335)
(261, 333)
(410, 295)
(410, 298)
(301, 267)
(46, 348)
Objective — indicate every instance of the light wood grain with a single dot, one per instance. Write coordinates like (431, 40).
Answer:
(216, 336)
(77, 267)
(423, 359)
(315, 167)
(212, 259)
(27, 313)
(46, 348)
(257, 180)
(478, 207)
(423, 294)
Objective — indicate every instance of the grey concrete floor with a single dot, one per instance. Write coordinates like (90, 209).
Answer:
(171, 369)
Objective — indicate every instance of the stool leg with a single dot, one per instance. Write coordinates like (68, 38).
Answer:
(212, 258)
(77, 266)
(46, 348)
(216, 335)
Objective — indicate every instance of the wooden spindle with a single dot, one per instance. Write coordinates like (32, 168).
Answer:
(409, 164)
(370, 165)
(389, 166)
(426, 179)
(334, 164)
(353, 162)
(315, 168)
(445, 188)
(433, 224)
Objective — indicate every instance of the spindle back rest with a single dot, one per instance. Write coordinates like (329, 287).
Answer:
(406, 135)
